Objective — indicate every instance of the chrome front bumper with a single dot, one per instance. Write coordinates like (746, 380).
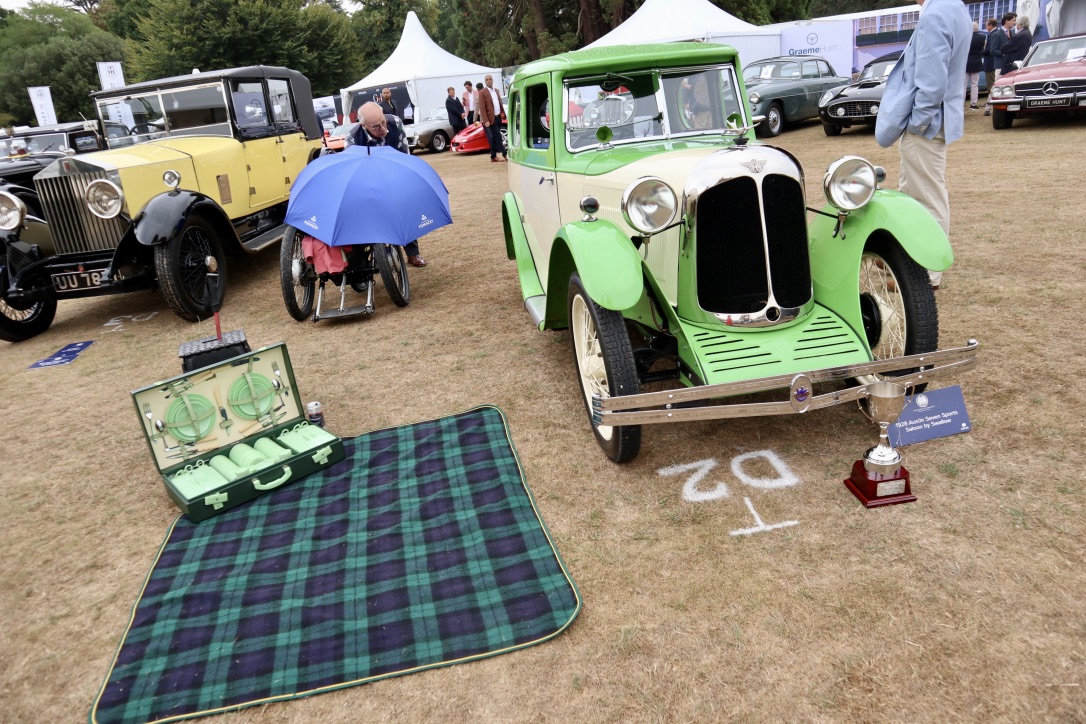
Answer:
(657, 407)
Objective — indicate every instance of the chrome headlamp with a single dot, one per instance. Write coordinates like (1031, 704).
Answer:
(171, 178)
(12, 211)
(649, 204)
(754, 97)
(825, 98)
(104, 198)
(849, 183)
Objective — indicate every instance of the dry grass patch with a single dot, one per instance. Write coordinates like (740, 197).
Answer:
(966, 605)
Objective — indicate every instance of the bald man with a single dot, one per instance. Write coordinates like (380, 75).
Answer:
(377, 128)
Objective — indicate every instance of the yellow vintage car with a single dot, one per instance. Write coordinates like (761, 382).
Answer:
(204, 168)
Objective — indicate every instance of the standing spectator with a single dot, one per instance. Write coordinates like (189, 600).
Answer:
(377, 128)
(466, 99)
(491, 111)
(989, 63)
(387, 104)
(1018, 46)
(922, 109)
(475, 101)
(996, 41)
(974, 63)
(457, 115)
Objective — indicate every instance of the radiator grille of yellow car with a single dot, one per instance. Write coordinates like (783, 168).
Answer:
(74, 228)
(731, 252)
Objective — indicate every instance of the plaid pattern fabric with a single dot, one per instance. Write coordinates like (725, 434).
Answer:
(422, 548)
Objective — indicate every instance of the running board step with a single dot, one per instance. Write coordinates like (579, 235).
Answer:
(266, 239)
(348, 312)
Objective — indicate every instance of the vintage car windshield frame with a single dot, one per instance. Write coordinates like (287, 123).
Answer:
(1070, 44)
(167, 130)
(659, 74)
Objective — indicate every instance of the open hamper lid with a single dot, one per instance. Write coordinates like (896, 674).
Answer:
(191, 418)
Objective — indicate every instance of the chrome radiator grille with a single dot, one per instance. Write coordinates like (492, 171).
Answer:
(732, 253)
(74, 228)
(853, 109)
(1063, 87)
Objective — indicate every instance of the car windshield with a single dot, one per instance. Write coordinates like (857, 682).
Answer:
(1053, 51)
(878, 69)
(771, 71)
(200, 110)
(658, 104)
(45, 142)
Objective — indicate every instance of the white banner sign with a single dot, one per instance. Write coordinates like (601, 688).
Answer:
(831, 40)
(111, 75)
(43, 105)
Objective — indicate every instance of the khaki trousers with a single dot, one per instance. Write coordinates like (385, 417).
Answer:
(923, 176)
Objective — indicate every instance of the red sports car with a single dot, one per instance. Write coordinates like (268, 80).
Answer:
(473, 139)
(1052, 79)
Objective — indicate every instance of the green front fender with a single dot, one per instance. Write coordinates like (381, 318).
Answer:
(835, 260)
(605, 259)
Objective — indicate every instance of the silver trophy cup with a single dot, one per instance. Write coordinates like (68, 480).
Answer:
(885, 401)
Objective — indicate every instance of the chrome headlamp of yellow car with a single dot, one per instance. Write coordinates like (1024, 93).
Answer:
(104, 198)
(171, 178)
(849, 183)
(649, 205)
(12, 211)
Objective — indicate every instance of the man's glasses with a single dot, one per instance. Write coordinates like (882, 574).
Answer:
(377, 126)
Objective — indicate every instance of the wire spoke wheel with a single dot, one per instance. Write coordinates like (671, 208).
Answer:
(181, 269)
(897, 306)
(296, 276)
(605, 366)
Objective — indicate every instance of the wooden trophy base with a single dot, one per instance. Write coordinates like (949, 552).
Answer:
(868, 486)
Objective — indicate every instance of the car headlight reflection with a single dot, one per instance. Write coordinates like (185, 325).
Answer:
(12, 211)
(849, 183)
(825, 98)
(649, 205)
(104, 198)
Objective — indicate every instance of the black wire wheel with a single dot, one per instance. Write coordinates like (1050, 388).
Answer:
(897, 305)
(181, 266)
(296, 276)
(392, 263)
(604, 360)
(20, 322)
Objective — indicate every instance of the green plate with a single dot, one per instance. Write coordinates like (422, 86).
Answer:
(191, 426)
(251, 403)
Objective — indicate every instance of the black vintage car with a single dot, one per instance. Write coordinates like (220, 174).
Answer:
(857, 104)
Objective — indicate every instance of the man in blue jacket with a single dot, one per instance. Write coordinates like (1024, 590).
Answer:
(923, 109)
(989, 63)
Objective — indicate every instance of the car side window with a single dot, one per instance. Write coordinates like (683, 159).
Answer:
(810, 69)
(282, 109)
(250, 108)
(539, 120)
(514, 120)
(790, 70)
(824, 69)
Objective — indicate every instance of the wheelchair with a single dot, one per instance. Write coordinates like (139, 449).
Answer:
(303, 287)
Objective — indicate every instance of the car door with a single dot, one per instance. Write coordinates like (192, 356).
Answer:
(293, 146)
(532, 176)
(813, 87)
(260, 141)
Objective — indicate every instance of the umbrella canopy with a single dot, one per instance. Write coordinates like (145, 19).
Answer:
(368, 195)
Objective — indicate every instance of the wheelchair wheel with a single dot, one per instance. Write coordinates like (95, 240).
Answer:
(296, 276)
(392, 263)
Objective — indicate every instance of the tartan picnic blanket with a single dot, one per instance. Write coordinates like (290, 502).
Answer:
(422, 548)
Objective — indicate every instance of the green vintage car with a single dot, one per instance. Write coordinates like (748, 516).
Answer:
(787, 89)
(682, 254)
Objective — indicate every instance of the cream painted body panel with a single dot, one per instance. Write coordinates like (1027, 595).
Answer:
(661, 254)
(539, 206)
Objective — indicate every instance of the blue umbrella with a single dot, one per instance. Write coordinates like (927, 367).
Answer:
(368, 195)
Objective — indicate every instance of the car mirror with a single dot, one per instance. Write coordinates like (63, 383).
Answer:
(613, 82)
(604, 134)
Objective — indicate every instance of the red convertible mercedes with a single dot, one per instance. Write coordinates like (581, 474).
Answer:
(1052, 79)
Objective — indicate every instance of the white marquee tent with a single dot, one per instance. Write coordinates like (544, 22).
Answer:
(664, 21)
(424, 68)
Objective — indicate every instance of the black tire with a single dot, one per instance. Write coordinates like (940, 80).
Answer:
(832, 129)
(182, 269)
(298, 284)
(591, 325)
(392, 263)
(1001, 119)
(19, 323)
(897, 304)
(774, 122)
(439, 142)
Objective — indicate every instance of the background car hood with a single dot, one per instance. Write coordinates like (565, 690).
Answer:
(1048, 71)
(858, 92)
